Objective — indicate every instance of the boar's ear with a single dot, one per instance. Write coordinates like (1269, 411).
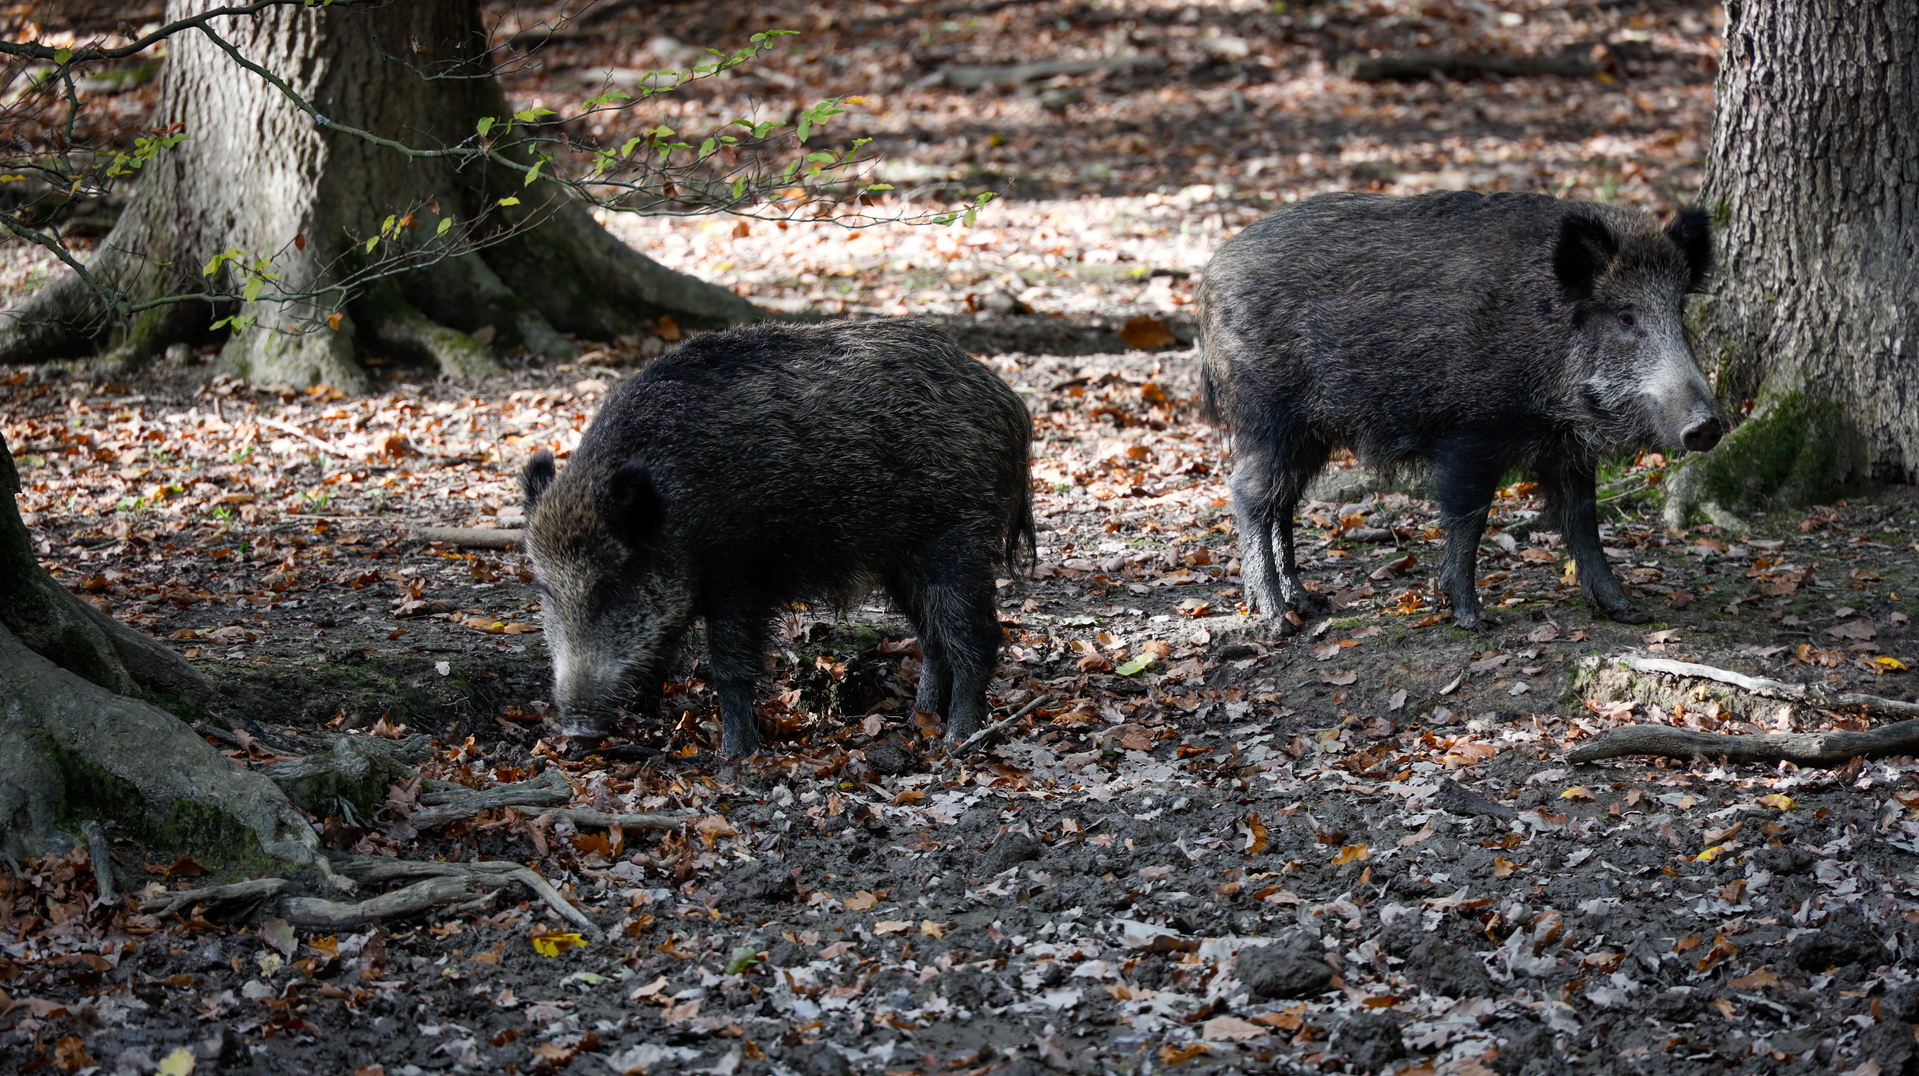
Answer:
(1586, 247)
(535, 477)
(1691, 231)
(633, 508)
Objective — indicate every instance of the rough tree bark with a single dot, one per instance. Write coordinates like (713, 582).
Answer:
(258, 174)
(77, 743)
(1813, 179)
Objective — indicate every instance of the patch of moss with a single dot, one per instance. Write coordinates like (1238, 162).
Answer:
(1794, 451)
(217, 840)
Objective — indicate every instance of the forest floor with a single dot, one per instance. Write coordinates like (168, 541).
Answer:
(1211, 846)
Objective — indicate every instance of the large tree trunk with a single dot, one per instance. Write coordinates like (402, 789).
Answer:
(75, 744)
(257, 173)
(1814, 183)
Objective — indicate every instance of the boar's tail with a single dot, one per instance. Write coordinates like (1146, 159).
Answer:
(1022, 538)
(1208, 387)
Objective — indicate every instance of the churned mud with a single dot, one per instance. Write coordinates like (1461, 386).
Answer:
(1211, 846)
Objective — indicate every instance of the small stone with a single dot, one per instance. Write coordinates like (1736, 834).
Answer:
(1844, 940)
(1448, 970)
(1292, 967)
(1370, 1040)
(890, 758)
(1010, 851)
(816, 1060)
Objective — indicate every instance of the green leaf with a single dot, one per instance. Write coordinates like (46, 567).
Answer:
(627, 149)
(531, 114)
(706, 147)
(509, 200)
(371, 243)
(252, 290)
(532, 175)
(1135, 666)
(485, 125)
(61, 56)
(445, 223)
(879, 186)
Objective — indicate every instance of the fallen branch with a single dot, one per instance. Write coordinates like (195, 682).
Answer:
(1799, 748)
(547, 790)
(974, 740)
(582, 818)
(317, 913)
(472, 537)
(1814, 694)
(1014, 74)
(1415, 66)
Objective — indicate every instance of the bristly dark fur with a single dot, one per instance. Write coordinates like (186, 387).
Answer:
(1469, 335)
(774, 464)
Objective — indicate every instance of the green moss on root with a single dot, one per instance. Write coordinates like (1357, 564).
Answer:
(1795, 451)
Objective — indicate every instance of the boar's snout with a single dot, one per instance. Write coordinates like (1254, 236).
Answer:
(1702, 436)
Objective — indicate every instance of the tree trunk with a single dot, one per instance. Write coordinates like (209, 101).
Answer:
(75, 744)
(1813, 182)
(257, 174)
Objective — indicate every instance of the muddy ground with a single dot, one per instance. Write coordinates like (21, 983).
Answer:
(1245, 856)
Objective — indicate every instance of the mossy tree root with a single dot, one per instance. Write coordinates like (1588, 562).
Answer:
(71, 750)
(389, 321)
(1793, 451)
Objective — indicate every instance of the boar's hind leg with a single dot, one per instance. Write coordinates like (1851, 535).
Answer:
(1570, 499)
(1266, 490)
(1466, 488)
(948, 595)
(736, 650)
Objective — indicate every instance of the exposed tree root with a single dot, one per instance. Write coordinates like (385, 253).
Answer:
(391, 322)
(1813, 694)
(1799, 748)
(465, 293)
(465, 885)
(548, 789)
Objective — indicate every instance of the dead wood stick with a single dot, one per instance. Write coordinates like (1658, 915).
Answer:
(1455, 798)
(1799, 748)
(1014, 74)
(1422, 65)
(1814, 694)
(582, 817)
(972, 741)
(473, 537)
(545, 790)
(486, 872)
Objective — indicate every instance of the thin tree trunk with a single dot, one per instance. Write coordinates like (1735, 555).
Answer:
(1814, 184)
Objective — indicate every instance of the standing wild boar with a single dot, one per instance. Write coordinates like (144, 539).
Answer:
(772, 464)
(1477, 335)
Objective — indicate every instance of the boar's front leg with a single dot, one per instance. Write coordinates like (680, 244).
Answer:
(1466, 485)
(1570, 498)
(736, 650)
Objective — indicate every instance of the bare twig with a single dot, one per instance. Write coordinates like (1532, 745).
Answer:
(1014, 74)
(290, 428)
(1799, 748)
(975, 739)
(473, 537)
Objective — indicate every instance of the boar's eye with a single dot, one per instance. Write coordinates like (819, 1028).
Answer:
(1628, 319)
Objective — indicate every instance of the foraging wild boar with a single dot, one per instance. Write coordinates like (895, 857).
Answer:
(772, 464)
(1477, 335)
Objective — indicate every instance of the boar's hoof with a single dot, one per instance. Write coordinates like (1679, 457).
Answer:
(1627, 614)
(1475, 621)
